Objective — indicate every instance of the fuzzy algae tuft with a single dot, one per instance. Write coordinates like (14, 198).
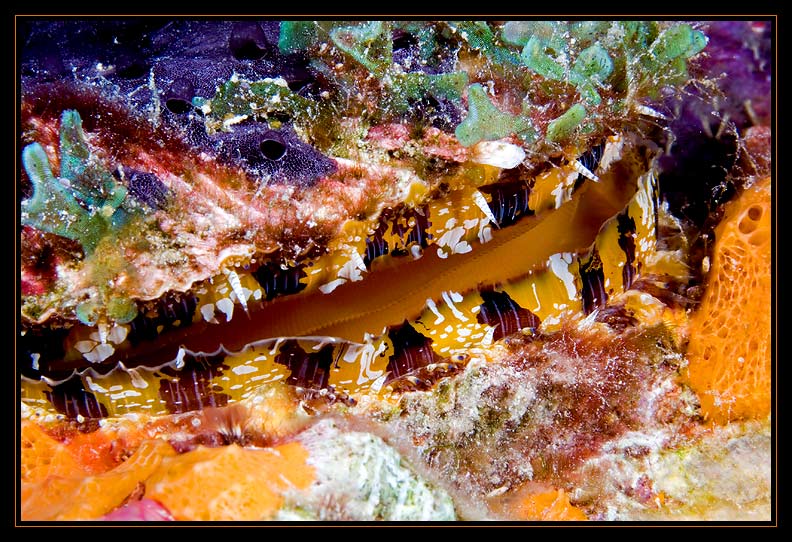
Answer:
(53, 207)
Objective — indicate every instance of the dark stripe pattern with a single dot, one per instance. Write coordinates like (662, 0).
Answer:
(626, 229)
(73, 401)
(505, 314)
(411, 228)
(411, 351)
(591, 158)
(278, 281)
(308, 370)
(508, 201)
(190, 388)
(170, 311)
(593, 279)
(376, 245)
(408, 224)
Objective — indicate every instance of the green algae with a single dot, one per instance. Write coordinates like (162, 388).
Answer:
(53, 207)
(239, 97)
(592, 66)
(89, 181)
(555, 61)
(481, 38)
(484, 121)
(367, 43)
(296, 36)
(562, 127)
(537, 56)
(408, 88)
(86, 204)
(678, 41)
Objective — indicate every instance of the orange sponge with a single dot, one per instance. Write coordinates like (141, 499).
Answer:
(550, 505)
(79, 496)
(729, 349)
(43, 456)
(229, 483)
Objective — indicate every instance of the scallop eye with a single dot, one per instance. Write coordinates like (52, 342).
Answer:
(272, 148)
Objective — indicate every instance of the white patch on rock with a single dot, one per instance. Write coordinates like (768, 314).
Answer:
(351, 271)
(34, 360)
(354, 268)
(84, 346)
(207, 312)
(117, 334)
(179, 360)
(451, 242)
(481, 203)
(100, 353)
(124, 394)
(612, 152)
(563, 190)
(330, 286)
(497, 153)
(236, 119)
(366, 478)
(93, 386)
(137, 380)
(486, 342)
(364, 355)
(236, 286)
(583, 170)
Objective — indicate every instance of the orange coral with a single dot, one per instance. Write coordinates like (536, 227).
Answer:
(229, 483)
(550, 505)
(729, 350)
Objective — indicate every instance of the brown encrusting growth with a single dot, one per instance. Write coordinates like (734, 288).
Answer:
(543, 406)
